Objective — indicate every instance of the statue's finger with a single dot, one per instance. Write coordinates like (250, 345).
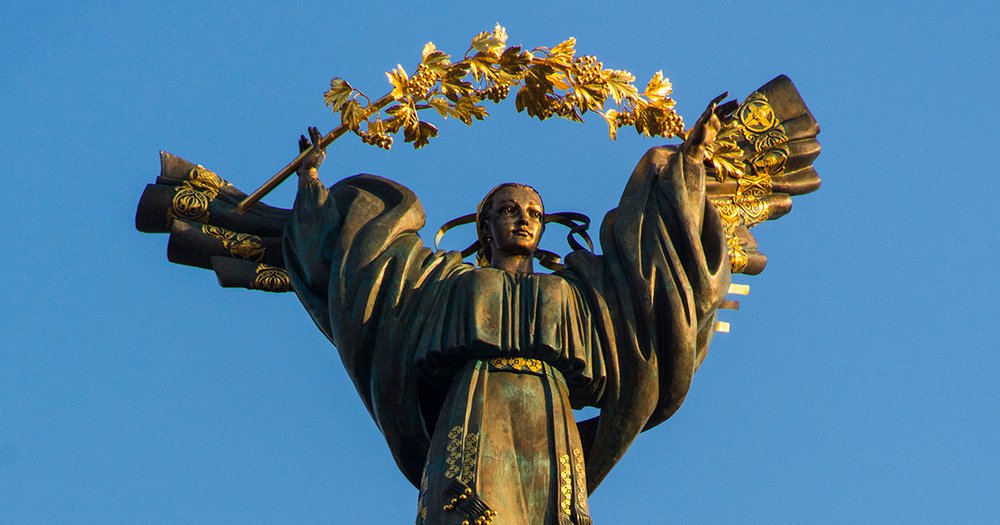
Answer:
(714, 123)
(715, 101)
(726, 109)
(703, 119)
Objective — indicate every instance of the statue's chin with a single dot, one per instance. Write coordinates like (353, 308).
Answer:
(528, 248)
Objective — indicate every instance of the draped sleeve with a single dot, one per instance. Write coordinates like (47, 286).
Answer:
(357, 265)
(655, 292)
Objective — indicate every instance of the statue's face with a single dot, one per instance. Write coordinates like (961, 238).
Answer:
(515, 220)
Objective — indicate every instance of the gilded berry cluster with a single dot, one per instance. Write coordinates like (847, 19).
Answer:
(494, 93)
(586, 69)
(381, 139)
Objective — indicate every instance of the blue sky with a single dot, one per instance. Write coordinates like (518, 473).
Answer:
(858, 383)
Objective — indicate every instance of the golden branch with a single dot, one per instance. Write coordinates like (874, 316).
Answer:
(549, 81)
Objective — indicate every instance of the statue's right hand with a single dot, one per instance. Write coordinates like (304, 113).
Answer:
(315, 155)
(702, 135)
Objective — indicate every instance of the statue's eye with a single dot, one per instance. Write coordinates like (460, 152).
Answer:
(535, 214)
(508, 210)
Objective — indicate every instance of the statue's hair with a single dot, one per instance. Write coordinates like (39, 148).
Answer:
(483, 213)
(576, 222)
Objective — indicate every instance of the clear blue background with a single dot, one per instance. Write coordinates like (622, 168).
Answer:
(859, 383)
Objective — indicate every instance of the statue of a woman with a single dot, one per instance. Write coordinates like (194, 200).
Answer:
(472, 373)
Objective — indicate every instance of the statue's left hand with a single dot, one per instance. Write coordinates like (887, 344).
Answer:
(316, 155)
(702, 134)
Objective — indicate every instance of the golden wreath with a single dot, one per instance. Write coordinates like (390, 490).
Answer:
(550, 81)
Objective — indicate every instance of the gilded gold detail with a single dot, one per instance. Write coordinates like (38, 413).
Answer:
(547, 82)
(581, 479)
(454, 453)
(566, 486)
(752, 210)
(769, 139)
(194, 194)
(188, 203)
(738, 289)
(769, 163)
(738, 258)
(462, 454)
(730, 215)
(751, 148)
(520, 364)
(239, 245)
(469, 458)
(203, 179)
(271, 279)
(756, 115)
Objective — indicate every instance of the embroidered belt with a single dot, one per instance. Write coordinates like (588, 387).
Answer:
(519, 364)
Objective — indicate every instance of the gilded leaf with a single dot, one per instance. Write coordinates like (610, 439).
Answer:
(610, 116)
(730, 132)
(453, 84)
(663, 104)
(558, 80)
(499, 39)
(481, 65)
(398, 77)
(657, 119)
(536, 78)
(504, 78)
(339, 91)
(567, 47)
(392, 125)
(658, 87)
(376, 126)
(442, 106)
(561, 56)
(534, 101)
(513, 61)
(490, 42)
(437, 61)
(419, 133)
(406, 112)
(466, 109)
(644, 120)
(619, 85)
(521, 99)
(590, 97)
(352, 114)
(429, 48)
(726, 159)
(479, 42)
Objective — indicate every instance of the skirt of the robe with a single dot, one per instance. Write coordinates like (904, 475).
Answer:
(505, 450)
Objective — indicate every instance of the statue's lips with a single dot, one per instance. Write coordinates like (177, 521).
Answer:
(522, 233)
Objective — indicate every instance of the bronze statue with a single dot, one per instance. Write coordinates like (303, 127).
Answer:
(471, 373)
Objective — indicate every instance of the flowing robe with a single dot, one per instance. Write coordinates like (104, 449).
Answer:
(471, 373)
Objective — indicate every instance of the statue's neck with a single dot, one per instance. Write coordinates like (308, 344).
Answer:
(514, 263)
